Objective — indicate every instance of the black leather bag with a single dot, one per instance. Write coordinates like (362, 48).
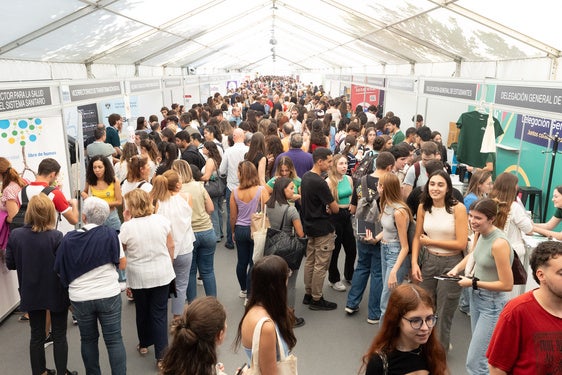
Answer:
(519, 272)
(288, 246)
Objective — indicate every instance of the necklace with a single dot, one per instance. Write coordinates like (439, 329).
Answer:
(417, 351)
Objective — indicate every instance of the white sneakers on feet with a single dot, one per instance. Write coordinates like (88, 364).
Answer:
(338, 286)
(242, 294)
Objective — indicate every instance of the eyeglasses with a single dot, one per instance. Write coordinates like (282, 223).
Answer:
(417, 323)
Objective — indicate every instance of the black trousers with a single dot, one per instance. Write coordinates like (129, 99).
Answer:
(344, 236)
(37, 341)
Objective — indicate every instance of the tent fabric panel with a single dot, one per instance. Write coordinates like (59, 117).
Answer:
(76, 41)
(137, 50)
(18, 20)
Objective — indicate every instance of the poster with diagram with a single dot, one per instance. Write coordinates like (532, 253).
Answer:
(27, 141)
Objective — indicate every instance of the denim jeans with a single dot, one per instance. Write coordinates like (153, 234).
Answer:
(182, 268)
(37, 341)
(390, 251)
(245, 251)
(217, 217)
(292, 288)
(203, 260)
(228, 231)
(108, 312)
(151, 306)
(368, 264)
(485, 309)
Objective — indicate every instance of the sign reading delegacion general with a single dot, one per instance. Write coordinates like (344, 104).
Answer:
(541, 98)
(94, 90)
(460, 90)
(14, 99)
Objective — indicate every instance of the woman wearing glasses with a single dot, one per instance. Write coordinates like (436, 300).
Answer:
(406, 342)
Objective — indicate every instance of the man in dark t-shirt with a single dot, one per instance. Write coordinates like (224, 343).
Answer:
(317, 202)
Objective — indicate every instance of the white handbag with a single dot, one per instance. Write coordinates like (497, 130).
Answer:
(286, 365)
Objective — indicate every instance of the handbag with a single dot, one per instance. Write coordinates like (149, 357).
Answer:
(288, 246)
(286, 365)
(216, 187)
(260, 222)
(517, 268)
(519, 272)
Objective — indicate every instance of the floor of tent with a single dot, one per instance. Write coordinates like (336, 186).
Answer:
(329, 343)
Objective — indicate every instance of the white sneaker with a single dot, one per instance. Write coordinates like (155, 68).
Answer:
(338, 286)
(242, 294)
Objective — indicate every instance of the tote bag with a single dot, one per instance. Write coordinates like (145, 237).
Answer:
(259, 234)
(286, 365)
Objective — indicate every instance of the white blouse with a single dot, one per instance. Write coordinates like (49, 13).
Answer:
(148, 260)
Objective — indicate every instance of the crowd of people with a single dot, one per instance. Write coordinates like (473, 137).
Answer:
(156, 207)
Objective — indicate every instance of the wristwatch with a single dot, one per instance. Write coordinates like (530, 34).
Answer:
(474, 283)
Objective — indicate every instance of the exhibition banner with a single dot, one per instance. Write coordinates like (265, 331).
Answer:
(537, 129)
(364, 96)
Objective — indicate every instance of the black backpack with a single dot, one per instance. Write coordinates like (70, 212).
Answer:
(18, 219)
(365, 167)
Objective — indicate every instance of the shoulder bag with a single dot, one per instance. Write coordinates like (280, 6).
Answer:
(288, 246)
(258, 229)
(216, 186)
(286, 365)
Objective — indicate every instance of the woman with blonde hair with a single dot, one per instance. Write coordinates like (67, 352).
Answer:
(406, 341)
(211, 172)
(512, 219)
(176, 207)
(205, 244)
(395, 218)
(31, 251)
(149, 247)
(341, 186)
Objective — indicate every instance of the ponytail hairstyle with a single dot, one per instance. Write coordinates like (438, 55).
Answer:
(195, 336)
(490, 207)
(9, 174)
(505, 192)
(349, 144)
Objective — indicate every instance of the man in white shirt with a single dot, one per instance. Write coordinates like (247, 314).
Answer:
(229, 167)
(294, 121)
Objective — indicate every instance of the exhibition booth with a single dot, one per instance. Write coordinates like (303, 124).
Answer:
(40, 119)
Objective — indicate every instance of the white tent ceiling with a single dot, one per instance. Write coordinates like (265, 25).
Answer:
(298, 35)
